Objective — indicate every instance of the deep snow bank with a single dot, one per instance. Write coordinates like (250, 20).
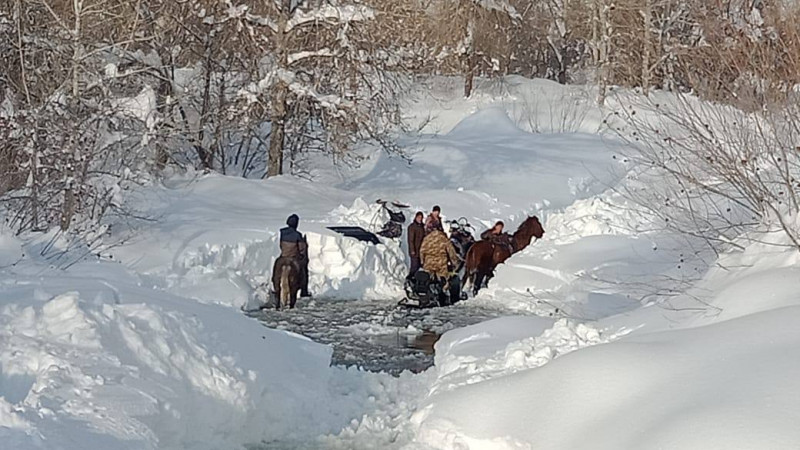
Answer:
(707, 370)
(728, 385)
(91, 359)
(215, 239)
(486, 168)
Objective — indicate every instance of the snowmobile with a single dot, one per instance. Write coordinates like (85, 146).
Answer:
(392, 229)
(461, 236)
(426, 291)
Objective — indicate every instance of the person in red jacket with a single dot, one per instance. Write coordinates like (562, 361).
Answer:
(434, 221)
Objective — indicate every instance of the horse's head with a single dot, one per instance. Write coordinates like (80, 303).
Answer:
(529, 229)
(536, 227)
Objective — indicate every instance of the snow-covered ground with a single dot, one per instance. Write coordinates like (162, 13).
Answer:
(631, 338)
(707, 377)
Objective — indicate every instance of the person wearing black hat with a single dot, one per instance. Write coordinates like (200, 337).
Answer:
(434, 221)
(294, 246)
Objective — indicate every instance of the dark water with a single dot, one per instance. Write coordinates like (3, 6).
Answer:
(377, 336)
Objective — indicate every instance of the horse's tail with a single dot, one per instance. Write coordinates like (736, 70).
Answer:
(285, 284)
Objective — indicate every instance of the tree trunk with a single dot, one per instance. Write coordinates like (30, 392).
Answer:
(469, 75)
(604, 52)
(279, 109)
(469, 59)
(68, 209)
(206, 154)
(19, 13)
(278, 131)
(164, 102)
(647, 16)
(77, 51)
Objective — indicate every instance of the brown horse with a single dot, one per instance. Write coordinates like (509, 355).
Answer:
(484, 256)
(286, 282)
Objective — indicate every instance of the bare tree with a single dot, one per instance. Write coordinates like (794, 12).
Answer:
(63, 163)
(602, 36)
(316, 75)
(471, 29)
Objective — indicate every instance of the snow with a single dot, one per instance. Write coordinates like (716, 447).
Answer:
(220, 240)
(341, 13)
(294, 57)
(115, 365)
(611, 331)
(502, 6)
(142, 107)
(712, 387)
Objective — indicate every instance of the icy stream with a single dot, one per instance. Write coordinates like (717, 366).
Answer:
(377, 336)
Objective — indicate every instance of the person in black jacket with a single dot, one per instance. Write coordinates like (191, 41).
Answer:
(416, 233)
(294, 245)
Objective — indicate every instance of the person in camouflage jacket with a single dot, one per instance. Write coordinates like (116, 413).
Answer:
(436, 252)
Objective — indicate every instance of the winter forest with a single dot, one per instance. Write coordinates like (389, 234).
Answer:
(637, 160)
(98, 95)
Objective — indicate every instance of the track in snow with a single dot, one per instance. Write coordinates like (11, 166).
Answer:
(377, 336)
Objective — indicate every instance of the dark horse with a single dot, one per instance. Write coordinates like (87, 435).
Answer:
(286, 282)
(484, 256)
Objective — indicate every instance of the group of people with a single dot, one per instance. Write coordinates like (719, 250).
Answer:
(428, 246)
(430, 249)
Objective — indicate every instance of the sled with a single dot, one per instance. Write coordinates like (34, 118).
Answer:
(424, 291)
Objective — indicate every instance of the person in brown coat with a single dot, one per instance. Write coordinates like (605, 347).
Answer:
(416, 233)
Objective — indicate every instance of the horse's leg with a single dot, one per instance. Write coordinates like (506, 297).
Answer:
(468, 275)
(299, 282)
(286, 288)
(477, 282)
(489, 277)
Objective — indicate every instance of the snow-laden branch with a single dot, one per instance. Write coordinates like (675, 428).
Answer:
(240, 12)
(261, 20)
(294, 57)
(502, 6)
(341, 14)
(333, 103)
